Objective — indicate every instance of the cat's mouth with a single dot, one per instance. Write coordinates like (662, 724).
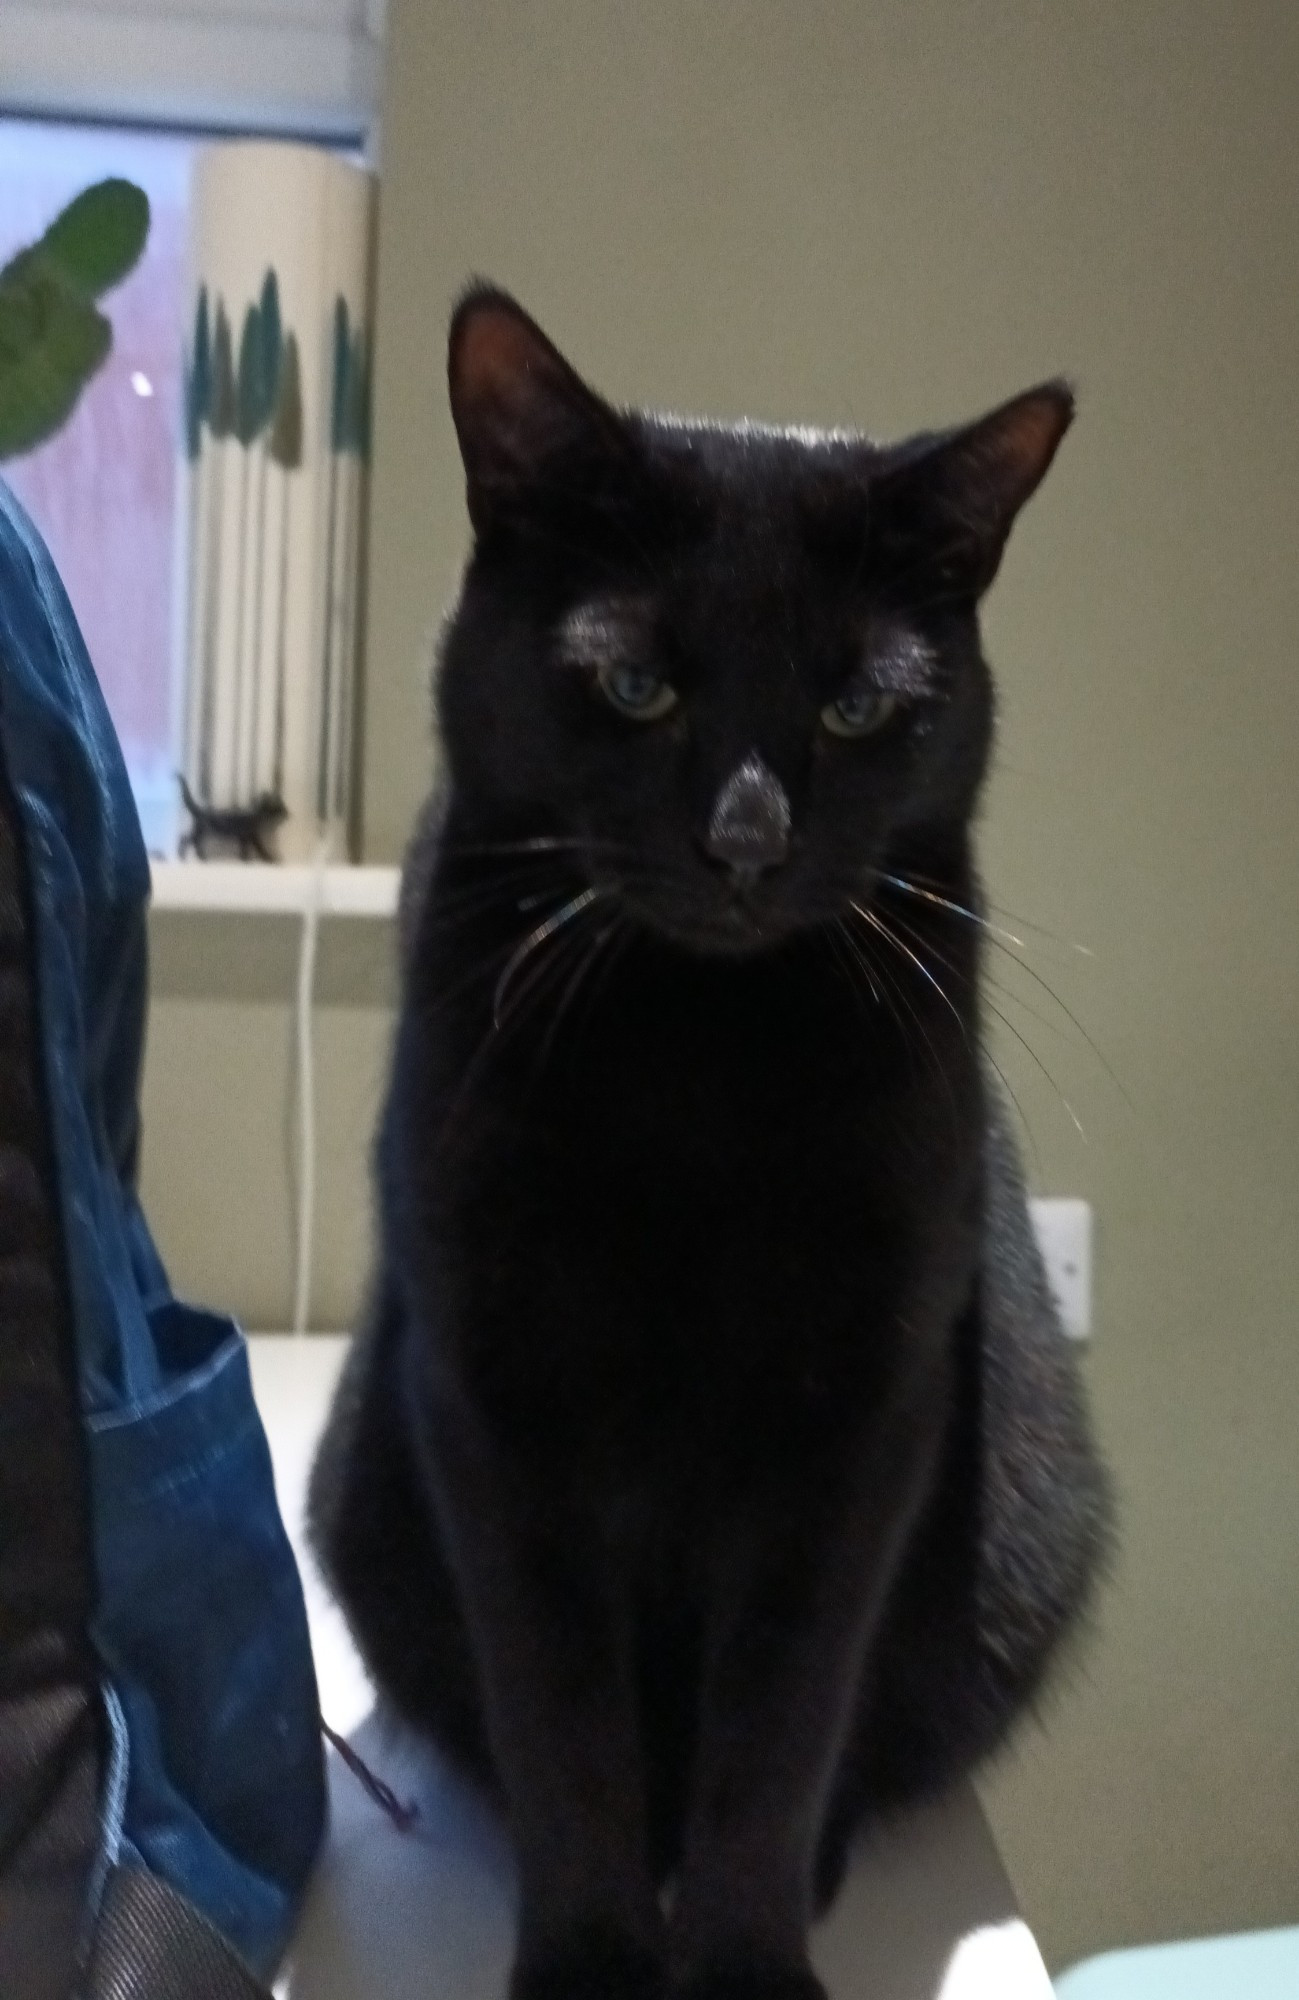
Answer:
(735, 925)
(738, 929)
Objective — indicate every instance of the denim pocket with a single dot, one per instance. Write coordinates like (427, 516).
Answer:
(201, 1627)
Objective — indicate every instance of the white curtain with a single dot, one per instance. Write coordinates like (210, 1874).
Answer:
(309, 66)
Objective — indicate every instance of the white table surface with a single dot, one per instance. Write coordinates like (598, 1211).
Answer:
(925, 1914)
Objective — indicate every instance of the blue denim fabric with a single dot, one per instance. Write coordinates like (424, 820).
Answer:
(199, 1620)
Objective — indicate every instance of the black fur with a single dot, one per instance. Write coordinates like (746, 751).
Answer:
(689, 1484)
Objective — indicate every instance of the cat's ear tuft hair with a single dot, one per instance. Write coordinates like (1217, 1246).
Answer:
(969, 486)
(521, 412)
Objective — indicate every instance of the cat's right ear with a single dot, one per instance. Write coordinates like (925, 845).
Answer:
(956, 497)
(529, 428)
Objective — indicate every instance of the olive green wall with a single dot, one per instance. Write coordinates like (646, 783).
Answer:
(220, 1132)
(893, 215)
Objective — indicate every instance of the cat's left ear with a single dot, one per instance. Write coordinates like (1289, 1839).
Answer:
(531, 432)
(959, 496)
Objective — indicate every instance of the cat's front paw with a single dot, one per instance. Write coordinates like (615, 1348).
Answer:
(749, 1979)
(590, 1966)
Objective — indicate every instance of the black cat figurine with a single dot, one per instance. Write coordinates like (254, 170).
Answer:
(244, 829)
(711, 1477)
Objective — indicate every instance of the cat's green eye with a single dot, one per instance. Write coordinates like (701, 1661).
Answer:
(859, 711)
(636, 693)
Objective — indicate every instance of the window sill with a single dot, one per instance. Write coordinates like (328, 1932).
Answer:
(270, 889)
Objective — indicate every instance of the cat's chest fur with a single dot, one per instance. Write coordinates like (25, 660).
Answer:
(700, 1203)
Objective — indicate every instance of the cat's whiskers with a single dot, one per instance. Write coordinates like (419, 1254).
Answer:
(515, 1003)
(892, 991)
(987, 982)
(537, 937)
(1006, 1023)
(569, 993)
(914, 882)
(831, 933)
(512, 888)
(892, 980)
(877, 923)
(911, 888)
(1024, 1043)
(1070, 1016)
(1001, 940)
(532, 872)
(453, 915)
(1000, 1073)
(471, 899)
(537, 984)
(470, 976)
(623, 931)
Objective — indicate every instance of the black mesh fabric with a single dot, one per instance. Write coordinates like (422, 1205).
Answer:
(150, 1944)
(51, 1733)
(49, 1830)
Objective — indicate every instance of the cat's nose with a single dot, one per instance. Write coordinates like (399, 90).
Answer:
(749, 827)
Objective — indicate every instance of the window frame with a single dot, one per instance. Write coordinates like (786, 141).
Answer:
(197, 69)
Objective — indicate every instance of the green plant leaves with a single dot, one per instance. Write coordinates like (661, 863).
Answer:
(98, 238)
(52, 337)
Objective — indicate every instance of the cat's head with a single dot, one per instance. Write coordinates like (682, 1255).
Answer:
(739, 667)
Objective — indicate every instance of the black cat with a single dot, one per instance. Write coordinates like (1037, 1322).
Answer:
(711, 1477)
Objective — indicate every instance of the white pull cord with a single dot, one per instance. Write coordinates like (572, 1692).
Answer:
(306, 1081)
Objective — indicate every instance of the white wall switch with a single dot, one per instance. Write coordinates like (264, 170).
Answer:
(1063, 1226)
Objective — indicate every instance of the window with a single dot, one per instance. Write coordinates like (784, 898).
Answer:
(101, 491)
(304, 66)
